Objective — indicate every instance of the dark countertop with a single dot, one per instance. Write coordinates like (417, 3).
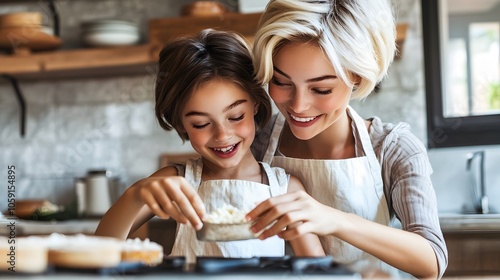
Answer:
(457, 222)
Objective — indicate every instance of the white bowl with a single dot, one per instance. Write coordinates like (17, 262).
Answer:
(109, 23)
(110, 28)
(110, 39)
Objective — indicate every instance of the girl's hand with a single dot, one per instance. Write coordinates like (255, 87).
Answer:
(295, 214)
(171, 197)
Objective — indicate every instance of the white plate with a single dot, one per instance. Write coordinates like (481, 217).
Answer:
(110, 39)
(109, 23)
(109, 28)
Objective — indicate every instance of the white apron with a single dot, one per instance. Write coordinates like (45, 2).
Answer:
(351, 185)
(242, 194)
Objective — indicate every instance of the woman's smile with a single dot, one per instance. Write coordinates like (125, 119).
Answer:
(303, 121)
(306, 89)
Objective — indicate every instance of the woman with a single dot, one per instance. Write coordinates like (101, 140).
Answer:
(358, 174)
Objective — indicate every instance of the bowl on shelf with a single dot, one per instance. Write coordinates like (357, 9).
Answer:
(24, 31)
(21, 19)
(110, 33)
(110, 39)
(203, 8)
(34, 38)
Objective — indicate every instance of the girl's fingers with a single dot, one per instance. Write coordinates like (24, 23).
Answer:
(172, 209)
(164, 201)
(198, 205)
(150, 200)
(183, 197)
(172, 197)
(194, 198)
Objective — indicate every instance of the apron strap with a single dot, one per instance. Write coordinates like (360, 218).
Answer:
(364, 137)
(278, 179)
(194, 167)
(274, 138)
(375, 169)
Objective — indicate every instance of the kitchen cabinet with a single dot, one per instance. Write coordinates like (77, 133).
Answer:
(473, 253)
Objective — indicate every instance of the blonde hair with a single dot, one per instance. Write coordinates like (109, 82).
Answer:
(357, 36)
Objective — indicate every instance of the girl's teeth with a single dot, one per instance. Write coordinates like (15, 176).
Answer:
(226, 149)
(302, 119)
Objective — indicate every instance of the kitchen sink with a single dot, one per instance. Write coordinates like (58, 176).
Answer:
(469, 222)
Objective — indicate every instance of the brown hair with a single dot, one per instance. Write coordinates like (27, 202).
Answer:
(186, 63)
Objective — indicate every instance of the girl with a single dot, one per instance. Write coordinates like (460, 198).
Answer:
(360, 174)
(206, 90)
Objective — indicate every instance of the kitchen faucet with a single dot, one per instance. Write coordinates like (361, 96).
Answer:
(482, 206)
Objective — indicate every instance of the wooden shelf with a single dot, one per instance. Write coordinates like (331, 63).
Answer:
(138, 59)
(128, 60)
(79, 63)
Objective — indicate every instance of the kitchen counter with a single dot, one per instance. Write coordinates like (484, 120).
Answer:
(456, 222)
(197, 277)
(211, 268)
(473, 242)
(450, 222)
(230, 277)
(27, 227)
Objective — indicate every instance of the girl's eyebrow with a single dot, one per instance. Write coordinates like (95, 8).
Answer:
(234, 104)
(317, 79)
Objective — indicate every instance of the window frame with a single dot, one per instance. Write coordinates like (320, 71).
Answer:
(448, 131)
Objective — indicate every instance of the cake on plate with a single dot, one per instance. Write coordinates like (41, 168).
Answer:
(144, 251)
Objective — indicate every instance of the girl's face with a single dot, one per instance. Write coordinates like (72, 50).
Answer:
(219, 120)
(306, 89)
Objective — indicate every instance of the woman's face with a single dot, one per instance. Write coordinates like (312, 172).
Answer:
(219, 120)
(306, 89)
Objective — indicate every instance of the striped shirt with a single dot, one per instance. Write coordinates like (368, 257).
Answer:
(406, 172)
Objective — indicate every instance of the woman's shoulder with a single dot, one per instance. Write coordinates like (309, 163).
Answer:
(394, 136)
(383, 129)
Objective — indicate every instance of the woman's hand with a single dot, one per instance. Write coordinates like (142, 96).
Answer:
(171, 197)
(296, 214)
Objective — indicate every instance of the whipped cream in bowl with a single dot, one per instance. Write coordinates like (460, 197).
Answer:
(225, 224)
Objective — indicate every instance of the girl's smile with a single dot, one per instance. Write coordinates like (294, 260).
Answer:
(226, 152)
(219, 119)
